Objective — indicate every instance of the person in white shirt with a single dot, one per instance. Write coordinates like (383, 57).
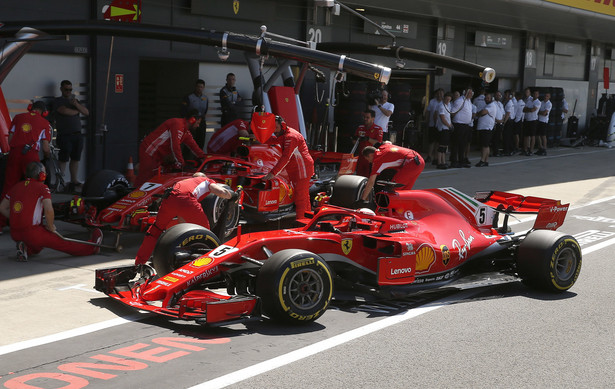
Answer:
(444, 126)
(431, 113)
(509, 120)
(461, 113)
(383, 110)
(518, 134)
(530, 121)
(479, 100)
(543, 124)
(498, 128)
(486, 121)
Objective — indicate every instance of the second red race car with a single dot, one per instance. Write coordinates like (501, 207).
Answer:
(415, 240)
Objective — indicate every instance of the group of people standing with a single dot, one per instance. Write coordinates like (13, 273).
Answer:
(505, 124)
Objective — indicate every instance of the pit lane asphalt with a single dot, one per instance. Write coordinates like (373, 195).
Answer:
(502, 336)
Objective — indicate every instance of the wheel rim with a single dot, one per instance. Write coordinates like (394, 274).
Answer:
(566, 264)
(306, 288)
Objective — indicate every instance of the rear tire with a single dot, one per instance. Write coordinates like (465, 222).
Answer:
(549, 260)
(180, 245)
(295, 286)
(347, 190)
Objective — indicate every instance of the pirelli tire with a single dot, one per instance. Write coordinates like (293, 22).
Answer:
(106, 185)
(180, 245)
(347, 189)
(549, 260)
(213, 206)
(295, 286)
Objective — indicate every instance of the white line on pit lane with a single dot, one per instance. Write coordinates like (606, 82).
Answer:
(9, 348)
(327, 344)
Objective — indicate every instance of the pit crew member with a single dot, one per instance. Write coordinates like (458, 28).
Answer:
(226, 139)
(407, 163)
(297, 161)
(30, 132)
(25, 204)
(163, 146)
(183, 203)
(369, 134)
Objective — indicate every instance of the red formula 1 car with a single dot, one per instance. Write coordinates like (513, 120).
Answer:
(109, 202)
(415, 240)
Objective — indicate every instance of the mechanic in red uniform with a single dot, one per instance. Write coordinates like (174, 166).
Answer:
(226, 139)
(29, 133)
(407, 163)
(25, 204)
(184, 202)
(298, 162)
(369, 134)
(163, 146)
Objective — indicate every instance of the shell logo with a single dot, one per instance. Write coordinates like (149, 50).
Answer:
(18, 206)
(446, 255)
(425, 257)
(137, 194)
(27, 127)
(202, 261)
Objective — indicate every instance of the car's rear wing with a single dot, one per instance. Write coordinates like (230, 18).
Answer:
(551, 213)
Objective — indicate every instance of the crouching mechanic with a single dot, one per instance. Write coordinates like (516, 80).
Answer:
(226, 139)
(298, 162)
(183, 202)
(407, 163)
(25, 204)
(163, 146)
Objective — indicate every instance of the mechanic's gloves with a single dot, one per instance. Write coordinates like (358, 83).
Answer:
(234, 196)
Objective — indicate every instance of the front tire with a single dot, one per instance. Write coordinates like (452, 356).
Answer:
(213, 206)
(295, 286)
(181, 244)
(549, 260)
(108, 186)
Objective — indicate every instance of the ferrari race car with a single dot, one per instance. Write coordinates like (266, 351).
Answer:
(414, 240)
(108, 201)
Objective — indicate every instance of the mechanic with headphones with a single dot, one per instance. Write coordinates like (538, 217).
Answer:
(298, 162)
(29, 133)
(406, 163)
(25, 204)
(183, 202)
(163, 146)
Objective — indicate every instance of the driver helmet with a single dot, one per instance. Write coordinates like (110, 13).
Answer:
(367, 211)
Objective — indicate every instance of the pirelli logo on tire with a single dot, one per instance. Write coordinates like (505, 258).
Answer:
(302, 262)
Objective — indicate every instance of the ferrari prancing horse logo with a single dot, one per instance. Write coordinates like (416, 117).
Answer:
(236, 6)
(346, 245)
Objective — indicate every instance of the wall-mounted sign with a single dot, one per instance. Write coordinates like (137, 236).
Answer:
(402, 28)
(119, 83)
(490, 39)
(123, 11)
(602, 7)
